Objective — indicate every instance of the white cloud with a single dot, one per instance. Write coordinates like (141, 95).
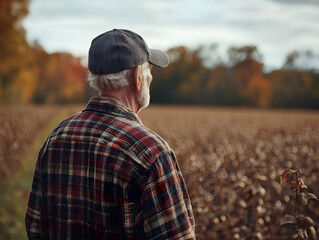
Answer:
(275, 26)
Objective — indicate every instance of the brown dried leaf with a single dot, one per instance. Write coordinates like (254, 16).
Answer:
(302, 232)
(286, 175)
(304, 221)
(312, 232)
(298, 184)
(306, 197)
(302, 186)
(288, 219)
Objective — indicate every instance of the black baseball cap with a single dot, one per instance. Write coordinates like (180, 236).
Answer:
(120, 49)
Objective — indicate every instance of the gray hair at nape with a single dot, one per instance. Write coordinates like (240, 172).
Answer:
(113, 81)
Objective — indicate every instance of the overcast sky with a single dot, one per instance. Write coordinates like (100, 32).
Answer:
(276, 27)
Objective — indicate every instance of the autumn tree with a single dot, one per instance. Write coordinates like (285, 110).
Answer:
(295, 84)
(30, 73)
(247, 71)
(291, 60)
(61, 77)
(16, 82)
(182, 80)
(240, 54)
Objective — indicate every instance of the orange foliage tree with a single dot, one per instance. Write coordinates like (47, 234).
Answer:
(30, 74)
(249, 77)
(61, 77)
(16, 82)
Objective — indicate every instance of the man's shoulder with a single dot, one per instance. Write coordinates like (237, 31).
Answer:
(129, 135)
(141, 140)
(150, 139)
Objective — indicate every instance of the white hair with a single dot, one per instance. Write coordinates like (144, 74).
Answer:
(143, 96)
(113, 81)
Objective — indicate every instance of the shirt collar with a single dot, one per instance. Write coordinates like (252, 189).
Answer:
(110, 106)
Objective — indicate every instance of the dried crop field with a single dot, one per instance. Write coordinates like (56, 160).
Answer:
(231, 160)
(20, 125)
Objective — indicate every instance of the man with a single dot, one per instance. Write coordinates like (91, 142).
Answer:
(103, 175)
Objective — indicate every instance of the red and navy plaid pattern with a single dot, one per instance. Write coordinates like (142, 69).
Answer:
(103, 175)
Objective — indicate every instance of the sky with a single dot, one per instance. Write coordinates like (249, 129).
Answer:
(276, 27)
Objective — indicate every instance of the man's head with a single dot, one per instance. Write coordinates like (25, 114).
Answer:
(119, 59)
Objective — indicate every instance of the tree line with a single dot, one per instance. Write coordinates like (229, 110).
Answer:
(29, 74)
(241, 81)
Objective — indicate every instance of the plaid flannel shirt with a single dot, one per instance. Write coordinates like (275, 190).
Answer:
(103, 175)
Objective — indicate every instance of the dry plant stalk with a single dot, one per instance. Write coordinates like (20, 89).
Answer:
(305, 224)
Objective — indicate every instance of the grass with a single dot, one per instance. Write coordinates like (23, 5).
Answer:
(14, 194)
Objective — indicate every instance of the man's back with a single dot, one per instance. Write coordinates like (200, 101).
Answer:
(103, 175)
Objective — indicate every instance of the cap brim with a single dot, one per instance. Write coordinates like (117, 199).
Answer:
(158, 58)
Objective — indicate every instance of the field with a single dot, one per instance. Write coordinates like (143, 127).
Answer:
(19, 127)
(231, 159)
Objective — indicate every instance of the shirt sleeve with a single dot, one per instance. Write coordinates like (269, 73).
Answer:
(33, 213)
(165, 204)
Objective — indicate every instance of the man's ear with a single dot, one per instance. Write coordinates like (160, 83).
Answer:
(137, 78)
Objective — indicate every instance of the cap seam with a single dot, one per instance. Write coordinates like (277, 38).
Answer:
(116, 51)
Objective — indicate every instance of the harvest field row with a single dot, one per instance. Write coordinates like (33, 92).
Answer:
(231, 160)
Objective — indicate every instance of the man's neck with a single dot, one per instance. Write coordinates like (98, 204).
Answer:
(124, 96)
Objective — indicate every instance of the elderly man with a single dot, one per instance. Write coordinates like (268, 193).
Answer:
(102, 174)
